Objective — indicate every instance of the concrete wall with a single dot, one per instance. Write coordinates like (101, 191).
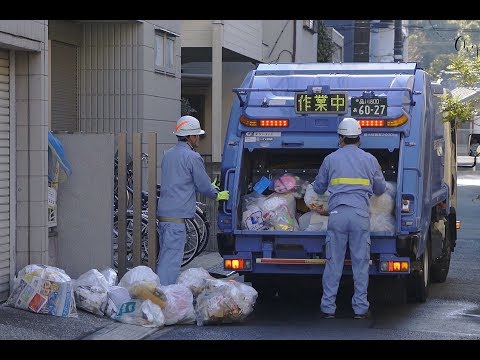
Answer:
(197, 33)
(244, 37)
(85, 204)
(28, 39)
(306, 44)
(278, 41)
(120, 91)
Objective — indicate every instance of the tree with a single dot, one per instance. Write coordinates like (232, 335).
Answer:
(439, 64)
(467, 71)
(325, 46)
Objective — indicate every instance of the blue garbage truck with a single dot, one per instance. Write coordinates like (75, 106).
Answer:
(282, 124)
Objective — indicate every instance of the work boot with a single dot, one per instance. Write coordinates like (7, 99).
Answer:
(362, 316)
(327, 316)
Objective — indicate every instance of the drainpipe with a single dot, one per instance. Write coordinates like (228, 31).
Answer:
(294, 40)
(398, 41)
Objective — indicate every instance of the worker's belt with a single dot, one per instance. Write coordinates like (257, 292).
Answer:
(170, 219)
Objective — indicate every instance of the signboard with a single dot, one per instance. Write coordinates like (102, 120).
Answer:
(333, 103)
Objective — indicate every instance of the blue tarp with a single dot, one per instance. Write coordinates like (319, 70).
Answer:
(56, 152)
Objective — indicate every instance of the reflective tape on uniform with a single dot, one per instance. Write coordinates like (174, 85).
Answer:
(350, 181)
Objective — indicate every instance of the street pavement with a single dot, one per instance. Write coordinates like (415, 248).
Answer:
(17, 324)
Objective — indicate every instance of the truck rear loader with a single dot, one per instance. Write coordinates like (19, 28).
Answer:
(284, 120)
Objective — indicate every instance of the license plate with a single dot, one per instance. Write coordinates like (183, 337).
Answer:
(333, 103)
(371, 107)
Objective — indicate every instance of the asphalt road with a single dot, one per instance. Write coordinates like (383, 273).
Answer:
(450, 313)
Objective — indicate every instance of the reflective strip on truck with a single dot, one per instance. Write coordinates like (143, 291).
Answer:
(298, 261)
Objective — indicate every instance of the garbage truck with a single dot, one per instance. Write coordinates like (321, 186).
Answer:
(283, 123)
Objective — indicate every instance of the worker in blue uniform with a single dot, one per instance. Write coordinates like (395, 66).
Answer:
(183, 175)
(351, 175)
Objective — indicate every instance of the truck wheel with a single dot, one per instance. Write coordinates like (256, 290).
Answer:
(439, 270)
(420, 280)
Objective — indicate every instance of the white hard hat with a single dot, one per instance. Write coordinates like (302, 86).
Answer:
(349, 127)
(188, 125)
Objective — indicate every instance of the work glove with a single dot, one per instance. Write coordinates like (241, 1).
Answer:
(215, 183)
(223, 195)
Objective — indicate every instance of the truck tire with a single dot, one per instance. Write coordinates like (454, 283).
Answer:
(419, 281)
(439, 269)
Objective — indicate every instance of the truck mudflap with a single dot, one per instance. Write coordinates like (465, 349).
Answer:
(386, 264)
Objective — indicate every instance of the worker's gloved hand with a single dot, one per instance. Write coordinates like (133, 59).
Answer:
(215, 183)
(223, 195)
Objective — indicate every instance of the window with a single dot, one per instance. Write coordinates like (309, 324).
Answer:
(164, 51)
(310, 25)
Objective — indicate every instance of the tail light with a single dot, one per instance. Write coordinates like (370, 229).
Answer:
(264, 122)
(373, 123)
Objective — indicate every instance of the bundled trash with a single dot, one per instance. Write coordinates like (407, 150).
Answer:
(91, 292)
(314, 200)
(147, 298)
(43, 289)
(224, 301)
(179, 306)
(290, 183)
(195, 279)
(312, 221)
(273, 212)
(382, 207)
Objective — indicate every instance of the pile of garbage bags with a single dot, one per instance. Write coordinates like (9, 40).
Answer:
(290, 207)
(137, 299)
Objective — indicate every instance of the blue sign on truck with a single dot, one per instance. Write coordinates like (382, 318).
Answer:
(413, 234)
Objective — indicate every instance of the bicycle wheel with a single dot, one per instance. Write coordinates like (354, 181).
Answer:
(192, 243)
(129, 241)
(204, 228)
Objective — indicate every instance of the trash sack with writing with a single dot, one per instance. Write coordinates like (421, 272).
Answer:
(252, 214)
(279, 211)
(117, 295)
(140, 312)
(179, 306)
(91, 291)
(43, 289)
(195, 279)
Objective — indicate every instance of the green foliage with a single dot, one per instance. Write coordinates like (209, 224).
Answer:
(466, 70)
(440, 63)
(457, 112)
(325, 46)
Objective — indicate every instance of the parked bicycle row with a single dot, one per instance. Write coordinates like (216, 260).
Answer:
(198, 228)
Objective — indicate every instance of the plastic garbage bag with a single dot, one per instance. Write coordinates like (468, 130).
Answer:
(224, 301)
(179, 308)
(140, 312)
(195, 279)
(91, 291)
(43, 289)
(314, 200)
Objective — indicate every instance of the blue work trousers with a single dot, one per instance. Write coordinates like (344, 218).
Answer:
(347, 225)
(172, 238)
